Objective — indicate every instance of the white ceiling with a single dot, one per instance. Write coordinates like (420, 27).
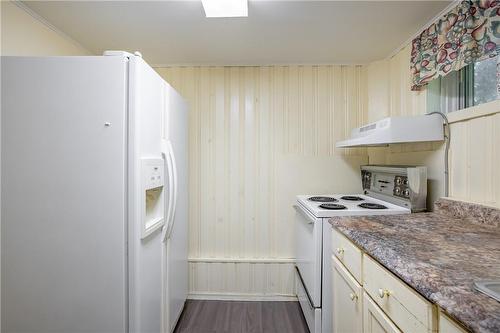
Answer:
(275, 32)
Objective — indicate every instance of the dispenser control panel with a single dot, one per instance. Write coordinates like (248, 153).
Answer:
(153, 193)
(153, 173)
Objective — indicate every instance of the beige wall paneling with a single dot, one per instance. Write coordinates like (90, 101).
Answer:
(259, 136)
(25, 34)
(474, 160)
(389, 92)
(378, 90)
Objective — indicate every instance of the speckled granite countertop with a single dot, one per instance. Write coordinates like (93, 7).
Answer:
(439, 255)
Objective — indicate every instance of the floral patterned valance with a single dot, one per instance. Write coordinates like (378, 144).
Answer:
(468, 33)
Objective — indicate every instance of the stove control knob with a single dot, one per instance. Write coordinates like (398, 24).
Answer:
(397, 190)
(405, 181)
(398, 181)
(406, 193)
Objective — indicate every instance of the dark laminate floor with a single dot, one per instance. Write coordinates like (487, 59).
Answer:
(241, 317)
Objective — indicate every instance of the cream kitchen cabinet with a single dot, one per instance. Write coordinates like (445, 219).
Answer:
(410, 311)
(368, 298)
(347, 302)
(374, 319)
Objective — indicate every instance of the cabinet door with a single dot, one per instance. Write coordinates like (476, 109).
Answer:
(447, 325)
(374, 319)
(347, 303)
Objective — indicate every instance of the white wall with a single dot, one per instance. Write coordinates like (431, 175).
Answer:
(259, 136)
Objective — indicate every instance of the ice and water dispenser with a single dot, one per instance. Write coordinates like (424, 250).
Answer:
(153, 192)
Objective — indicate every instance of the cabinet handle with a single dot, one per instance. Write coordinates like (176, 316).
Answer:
(340, 251)
(383, 292)
(353, 297)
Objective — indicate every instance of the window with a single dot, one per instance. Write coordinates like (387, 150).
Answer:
(474, 84)
(485, 81)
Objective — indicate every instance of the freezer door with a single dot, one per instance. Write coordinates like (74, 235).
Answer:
(63, 194)
(175, 236)
(147, 211)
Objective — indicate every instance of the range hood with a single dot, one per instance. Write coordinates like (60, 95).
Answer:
(390, 130)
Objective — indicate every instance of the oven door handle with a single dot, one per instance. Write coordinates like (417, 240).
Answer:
(310, 219)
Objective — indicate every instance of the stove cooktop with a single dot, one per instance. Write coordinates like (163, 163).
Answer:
(348, 205)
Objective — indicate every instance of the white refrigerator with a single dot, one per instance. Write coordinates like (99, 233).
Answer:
(94, 193)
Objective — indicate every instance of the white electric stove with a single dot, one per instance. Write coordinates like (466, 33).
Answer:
(331, 205)
(387, 190)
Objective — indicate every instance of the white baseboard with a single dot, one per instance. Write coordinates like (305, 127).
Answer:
(243, 260)
(242, 297)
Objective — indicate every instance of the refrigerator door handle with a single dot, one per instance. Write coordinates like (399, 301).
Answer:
(174, 193)
(169, 175)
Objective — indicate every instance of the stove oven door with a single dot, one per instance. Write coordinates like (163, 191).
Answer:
(308, 252)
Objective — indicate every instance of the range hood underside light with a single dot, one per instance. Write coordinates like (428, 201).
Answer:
(225, 8)
(424, 128)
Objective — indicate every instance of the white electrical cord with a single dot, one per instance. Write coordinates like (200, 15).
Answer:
(447, 137)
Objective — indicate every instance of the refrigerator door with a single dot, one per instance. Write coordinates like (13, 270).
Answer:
(146, 112)
(175, 237)
(64, 191)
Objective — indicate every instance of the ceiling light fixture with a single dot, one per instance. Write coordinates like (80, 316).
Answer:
(225, 8)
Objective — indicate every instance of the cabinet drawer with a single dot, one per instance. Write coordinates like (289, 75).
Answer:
(408, 310)
(348, 253)
(374, 319)
(347, 300)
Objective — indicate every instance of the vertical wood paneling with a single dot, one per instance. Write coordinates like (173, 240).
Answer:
(459, 160)
(258, 137)
(220, 163)
(481, 187)
(474, 160)
(264, 175)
